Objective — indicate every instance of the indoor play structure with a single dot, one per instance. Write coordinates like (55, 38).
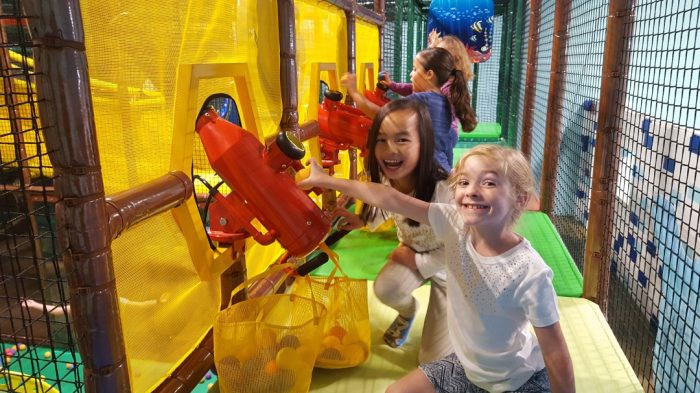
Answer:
(148, 152)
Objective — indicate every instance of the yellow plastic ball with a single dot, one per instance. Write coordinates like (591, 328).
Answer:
(306, 354)
(356, 353)
(331, 341)
(350, 338)
(246, 353)
(268, 338)
(287, 358)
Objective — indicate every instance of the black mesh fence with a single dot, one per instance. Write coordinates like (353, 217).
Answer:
(651, 236)
(541, 86)
(654, 265)
(39, 351)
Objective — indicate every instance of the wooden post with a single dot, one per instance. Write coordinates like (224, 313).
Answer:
(82, 227)
(596, 265)
(553, 126)
(288, 66)
(515, 70)
(530, 78)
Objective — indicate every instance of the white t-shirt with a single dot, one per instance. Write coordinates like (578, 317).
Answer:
(490, 301)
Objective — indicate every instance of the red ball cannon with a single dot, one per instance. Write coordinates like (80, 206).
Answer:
(341, 127)
(261, 187)
(378, 96)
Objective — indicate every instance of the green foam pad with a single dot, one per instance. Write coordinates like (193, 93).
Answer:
(362, 254)
(463, 146)
(539, 230)
(483, 131)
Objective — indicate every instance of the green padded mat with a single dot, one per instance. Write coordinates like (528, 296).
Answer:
(362, 254)
(483, 132)
(539, 230)
(463, 146)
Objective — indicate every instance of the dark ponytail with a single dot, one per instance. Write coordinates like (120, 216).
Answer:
(461, 101)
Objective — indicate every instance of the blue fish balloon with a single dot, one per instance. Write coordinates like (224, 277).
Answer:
(470, 20)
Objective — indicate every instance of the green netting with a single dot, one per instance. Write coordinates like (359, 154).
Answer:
(539, 230)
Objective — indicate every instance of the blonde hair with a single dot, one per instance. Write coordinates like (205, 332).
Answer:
(459, 53)
(514, 167)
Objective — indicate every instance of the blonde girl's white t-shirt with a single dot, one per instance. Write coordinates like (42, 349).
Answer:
(490, 301)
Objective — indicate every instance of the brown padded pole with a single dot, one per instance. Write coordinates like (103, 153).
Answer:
(188, 374)
(309, 130)
(530, 78)
(129, 207)
(352, 68)
(596, 263)
(379, 10)
(288, 67)
(553, 125)
(82, 229)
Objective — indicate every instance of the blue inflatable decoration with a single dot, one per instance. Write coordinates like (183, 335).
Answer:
(470, 20)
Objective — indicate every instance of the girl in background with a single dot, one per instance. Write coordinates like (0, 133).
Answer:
(432, 68)
(462, 62)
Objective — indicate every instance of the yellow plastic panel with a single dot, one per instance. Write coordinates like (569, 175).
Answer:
(321, 38)
(135, 51)
(366, 54)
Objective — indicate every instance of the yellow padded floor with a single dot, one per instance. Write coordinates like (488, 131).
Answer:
(599, 363)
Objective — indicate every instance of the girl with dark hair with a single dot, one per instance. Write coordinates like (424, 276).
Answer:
(432, 68)
(401, 155)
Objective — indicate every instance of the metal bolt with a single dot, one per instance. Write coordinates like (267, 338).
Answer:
(223, 221)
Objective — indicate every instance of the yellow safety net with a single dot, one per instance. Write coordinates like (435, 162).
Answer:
(152, 65)
(143, 57)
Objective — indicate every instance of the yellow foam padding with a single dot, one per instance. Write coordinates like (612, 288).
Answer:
(599, 363)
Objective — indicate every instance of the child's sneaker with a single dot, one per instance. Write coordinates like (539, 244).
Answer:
(397, 334)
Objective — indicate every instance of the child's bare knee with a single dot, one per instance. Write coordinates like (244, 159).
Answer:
(393, 388)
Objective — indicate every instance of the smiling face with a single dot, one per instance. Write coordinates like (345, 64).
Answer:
(398, 148)
(485, 197)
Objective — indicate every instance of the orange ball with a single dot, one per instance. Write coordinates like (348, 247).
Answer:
(337, 331)
(271, 367)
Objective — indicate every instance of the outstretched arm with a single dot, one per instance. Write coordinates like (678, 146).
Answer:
(556, 358)
(375, 194)
(349, 81)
